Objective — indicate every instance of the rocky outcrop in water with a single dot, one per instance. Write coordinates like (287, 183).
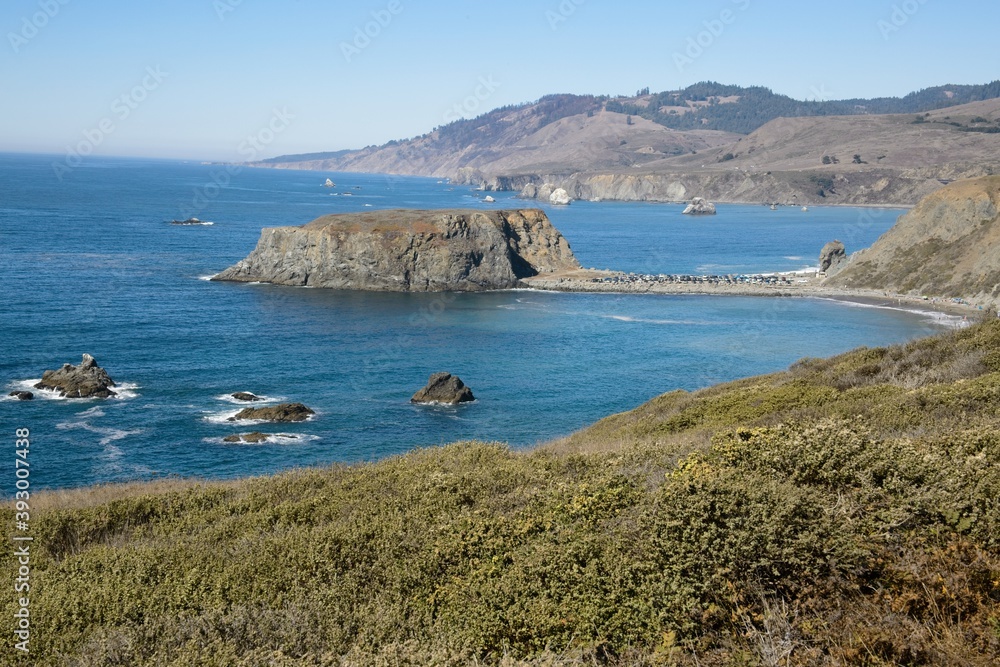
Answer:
(22, 395)
(409, 251)
(254, 438)
(88, 380)
(444, 388)
(699, 206)
(560, 197)
(246, 396)
(285, 412)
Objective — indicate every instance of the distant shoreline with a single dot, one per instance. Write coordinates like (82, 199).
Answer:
(677, 202)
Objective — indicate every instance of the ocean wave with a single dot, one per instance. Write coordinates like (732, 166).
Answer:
(126, 391)
(646, 320)
(208, 277)
(223, 418)
(943, 319)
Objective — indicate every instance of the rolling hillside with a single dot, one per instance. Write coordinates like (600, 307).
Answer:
(581, 143)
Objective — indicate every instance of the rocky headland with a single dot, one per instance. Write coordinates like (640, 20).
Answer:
(947, 246)
(409, 251)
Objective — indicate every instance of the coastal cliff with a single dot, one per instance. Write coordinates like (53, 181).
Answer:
(947, 246)
(409, 251)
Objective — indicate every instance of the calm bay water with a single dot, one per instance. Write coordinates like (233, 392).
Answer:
(91, 265)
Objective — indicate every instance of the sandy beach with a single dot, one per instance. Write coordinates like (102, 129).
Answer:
(807, 285)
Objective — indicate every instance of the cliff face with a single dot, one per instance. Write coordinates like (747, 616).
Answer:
(948, 245)
(872, 187)
(409, 251)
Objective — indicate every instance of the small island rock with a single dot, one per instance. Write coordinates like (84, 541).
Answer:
(285, 412)
(22, 395)
(88, 380)
(406, 250)
(246, 396)
(444, 388)
(560, 197)
(699, 206)
(832, 256)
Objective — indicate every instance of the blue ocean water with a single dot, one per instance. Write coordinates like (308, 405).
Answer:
(92, 265)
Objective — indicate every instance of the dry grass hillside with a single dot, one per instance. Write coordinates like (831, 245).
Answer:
(579, 142)
(951, 141)
(949, 245)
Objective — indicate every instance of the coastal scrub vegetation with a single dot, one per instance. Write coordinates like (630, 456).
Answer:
(843, 512)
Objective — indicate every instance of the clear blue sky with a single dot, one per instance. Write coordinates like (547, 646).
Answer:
(200, 76)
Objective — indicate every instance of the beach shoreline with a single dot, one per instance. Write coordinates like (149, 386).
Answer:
(802, 285)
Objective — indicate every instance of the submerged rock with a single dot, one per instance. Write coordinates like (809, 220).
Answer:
(444, 388)
(88, 380)
(253, 438)
(246, 396)
(699, 206)
(285, 412)
(832, 256)
(22, 395)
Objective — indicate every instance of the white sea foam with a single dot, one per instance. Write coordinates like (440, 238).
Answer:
(264, 400)
(125, 391)
(943, 319)
(108, 435)
(29, 385)
(208, 277)
(223, 418)
(793, 258)
(645, 320)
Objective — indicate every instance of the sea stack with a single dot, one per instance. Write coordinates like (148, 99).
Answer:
(88, 380)
(409, 251)
(699, 206)
(444, 388)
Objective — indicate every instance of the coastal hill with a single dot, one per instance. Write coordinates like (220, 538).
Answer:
(552, 135)
(948, 245)
(842, 512)
(853, 160)
(724, 143)
(409, 251)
